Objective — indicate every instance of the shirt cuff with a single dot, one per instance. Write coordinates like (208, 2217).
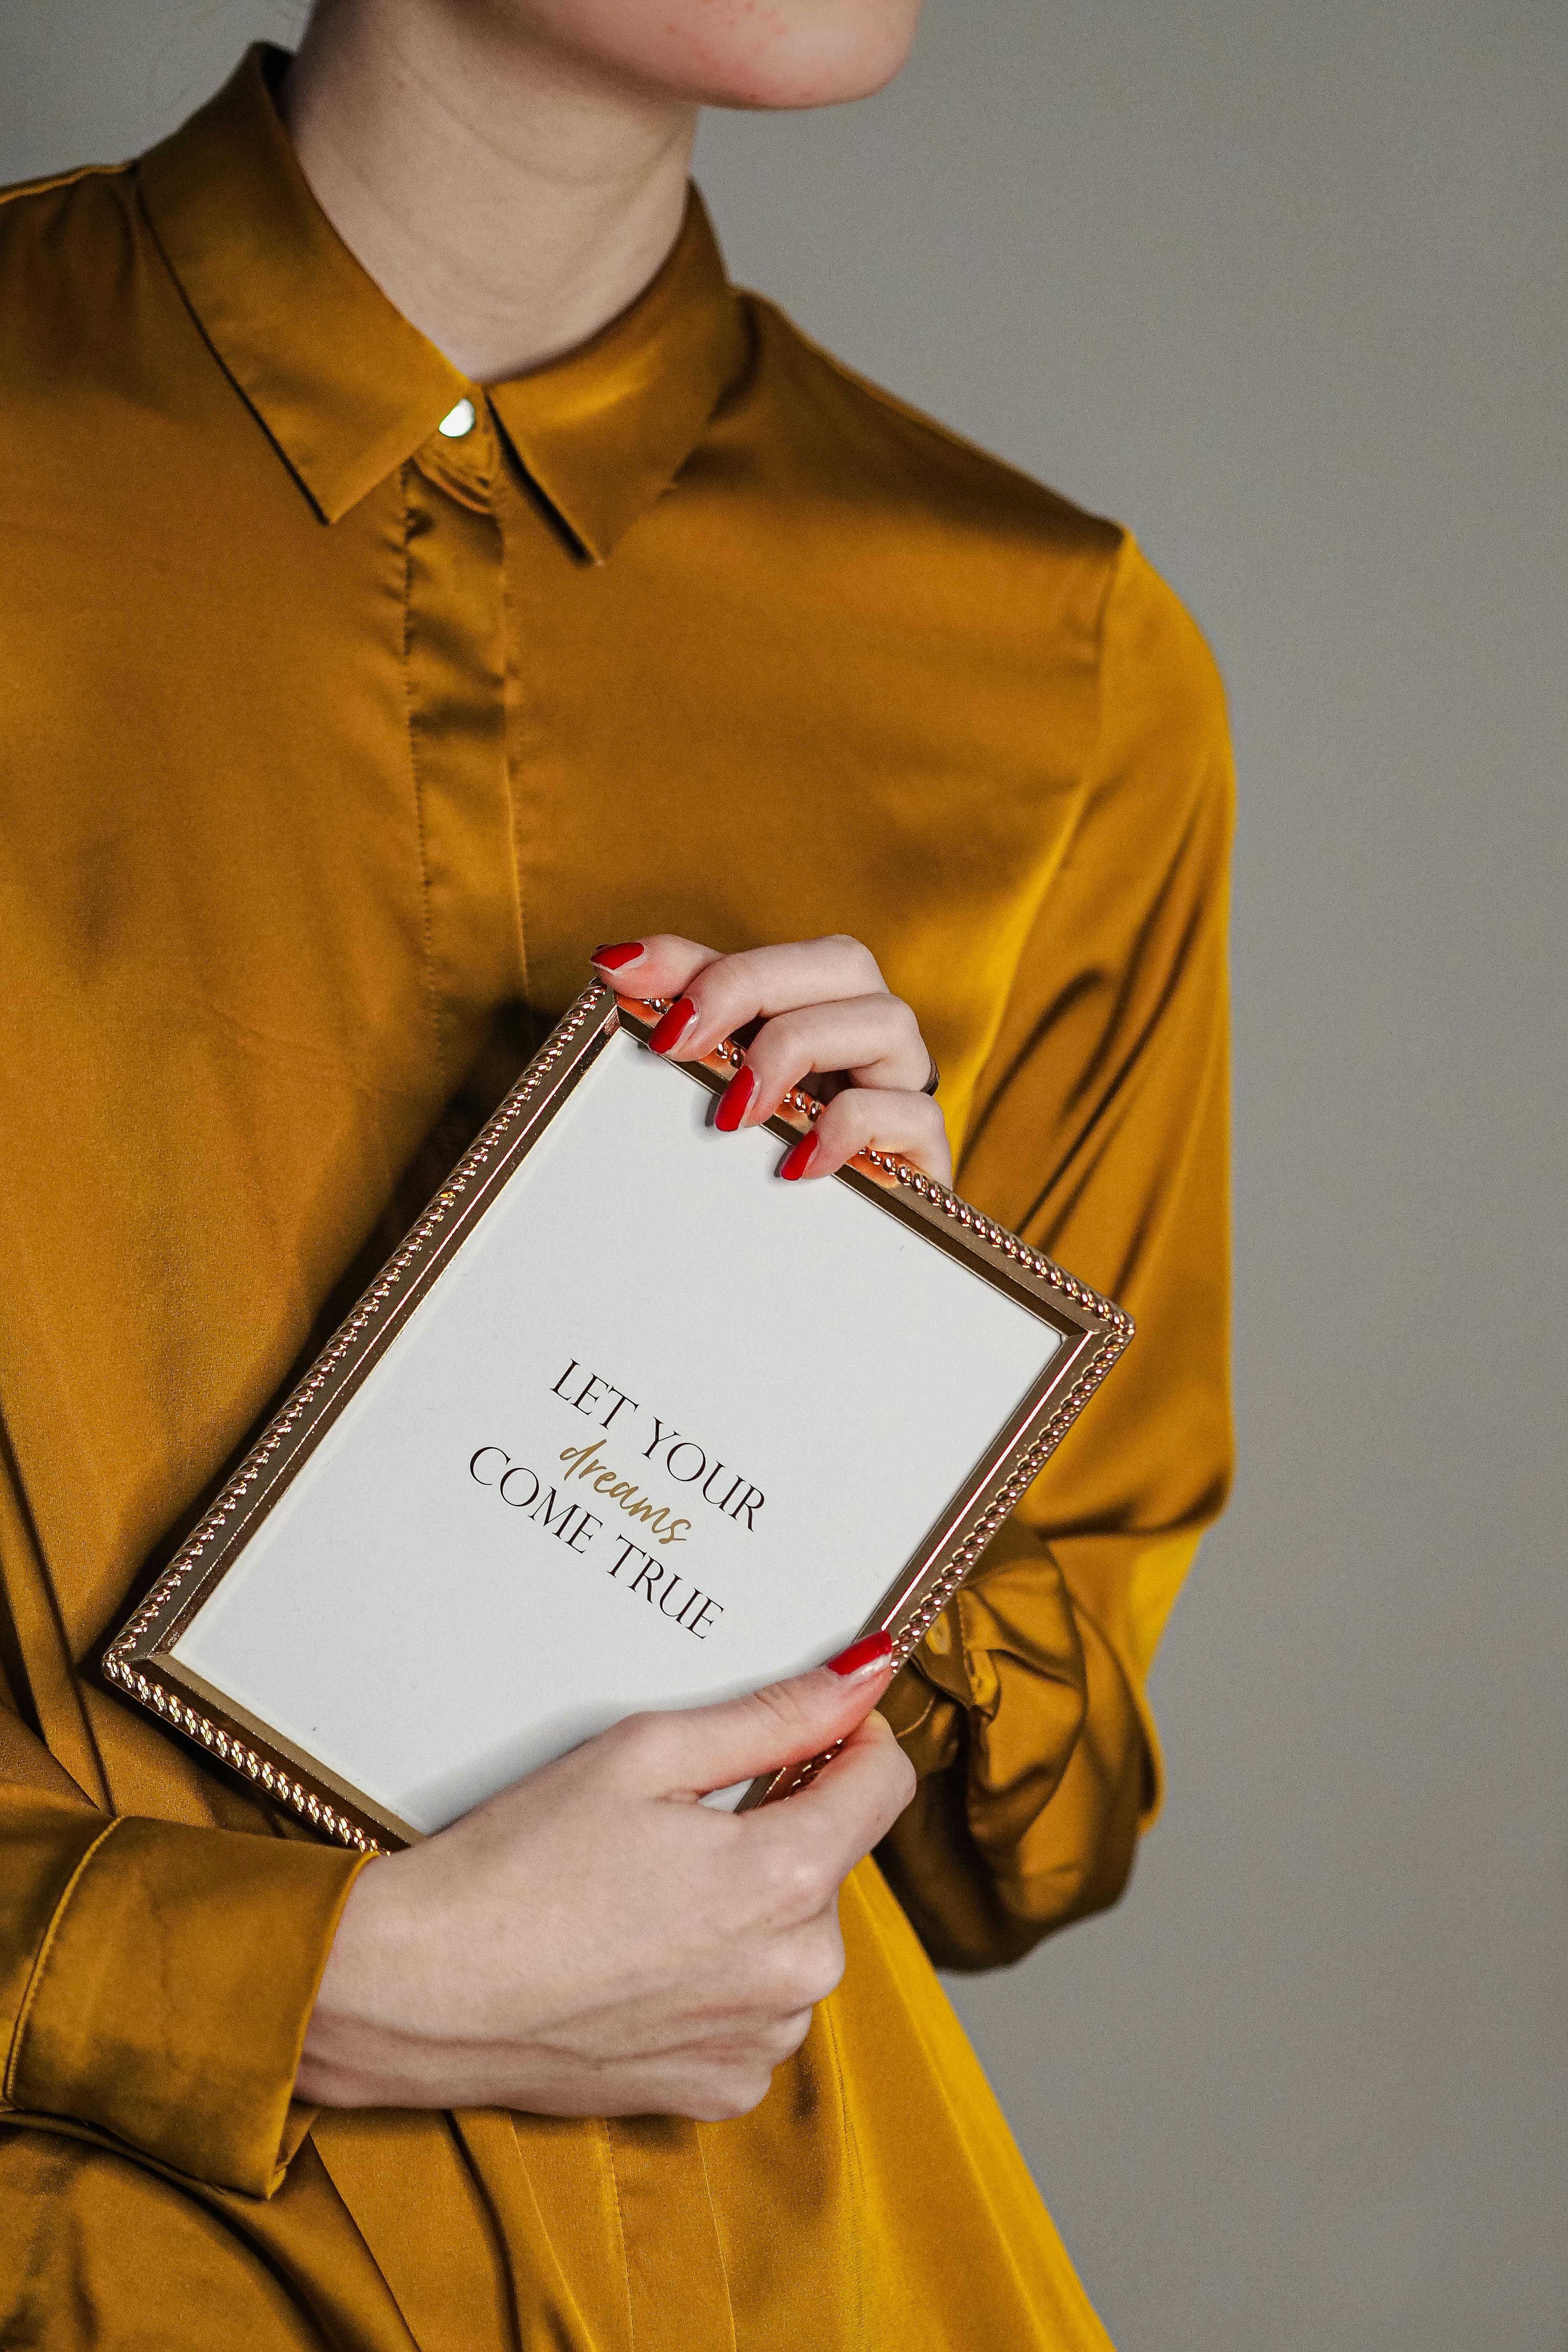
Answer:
(170, 1997)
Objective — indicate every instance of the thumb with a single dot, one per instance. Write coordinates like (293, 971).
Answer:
(694, 1750)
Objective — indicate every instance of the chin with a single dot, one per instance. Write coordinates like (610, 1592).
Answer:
(769, 55)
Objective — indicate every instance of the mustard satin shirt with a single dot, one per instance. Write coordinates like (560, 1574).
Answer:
(331, 739)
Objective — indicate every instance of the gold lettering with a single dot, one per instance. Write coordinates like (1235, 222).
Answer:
(582, 1461)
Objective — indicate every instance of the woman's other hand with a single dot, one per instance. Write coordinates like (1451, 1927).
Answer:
(823, 1010)
(593, 1941)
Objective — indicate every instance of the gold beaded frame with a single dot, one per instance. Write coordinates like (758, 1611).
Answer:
(139, 1662)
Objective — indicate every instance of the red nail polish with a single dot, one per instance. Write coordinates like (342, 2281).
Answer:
(736, 1100)
(674, 1025)
(798, 1158)
(612, 959)
(868, 1653)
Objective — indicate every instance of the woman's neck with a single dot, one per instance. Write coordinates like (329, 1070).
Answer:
(509, 199)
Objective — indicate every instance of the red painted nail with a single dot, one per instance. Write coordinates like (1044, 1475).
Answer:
(674, 1025)
(798, 1158)
(862, 1654)
(736, 1100)
(612, 959)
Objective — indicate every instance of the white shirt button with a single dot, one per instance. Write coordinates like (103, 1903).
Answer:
(458, 421)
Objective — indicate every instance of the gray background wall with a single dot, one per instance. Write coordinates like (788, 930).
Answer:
(1284, 288)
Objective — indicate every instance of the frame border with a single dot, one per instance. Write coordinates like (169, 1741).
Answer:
(137, 1662)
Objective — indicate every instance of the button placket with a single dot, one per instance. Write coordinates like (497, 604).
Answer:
(455, 682)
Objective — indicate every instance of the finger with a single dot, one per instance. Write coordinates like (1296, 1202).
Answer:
(876, 1040)
(907, 1126)
(731, 990)
(720, 2095)
(832, 1824)
(713, 2084)
(659, 965)
(687, 1751)
(762, 2038)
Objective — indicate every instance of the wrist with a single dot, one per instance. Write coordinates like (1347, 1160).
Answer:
(361, 2015)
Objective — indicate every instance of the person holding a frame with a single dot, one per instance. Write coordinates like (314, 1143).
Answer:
(422, 569)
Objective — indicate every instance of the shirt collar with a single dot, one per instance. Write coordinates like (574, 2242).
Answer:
(348, 389)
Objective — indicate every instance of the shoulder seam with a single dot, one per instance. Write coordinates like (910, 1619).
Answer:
(1115, 570)
(60, 180)
(1130, 558)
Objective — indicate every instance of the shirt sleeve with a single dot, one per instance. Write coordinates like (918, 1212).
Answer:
(1099, 1133)
(157, 1978)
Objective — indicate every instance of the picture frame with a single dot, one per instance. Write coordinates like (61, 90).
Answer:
(961, 1388)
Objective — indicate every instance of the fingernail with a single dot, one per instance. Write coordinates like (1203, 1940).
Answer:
(673, 1027)
(862, 1654)
(736, 1100)
(798, 1158)
(612, 959)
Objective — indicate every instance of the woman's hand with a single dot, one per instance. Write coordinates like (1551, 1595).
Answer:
(595, 1942)
(825, 1011)
(592, 1941)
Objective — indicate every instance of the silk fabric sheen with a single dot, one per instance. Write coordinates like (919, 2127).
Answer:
(331, 746)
